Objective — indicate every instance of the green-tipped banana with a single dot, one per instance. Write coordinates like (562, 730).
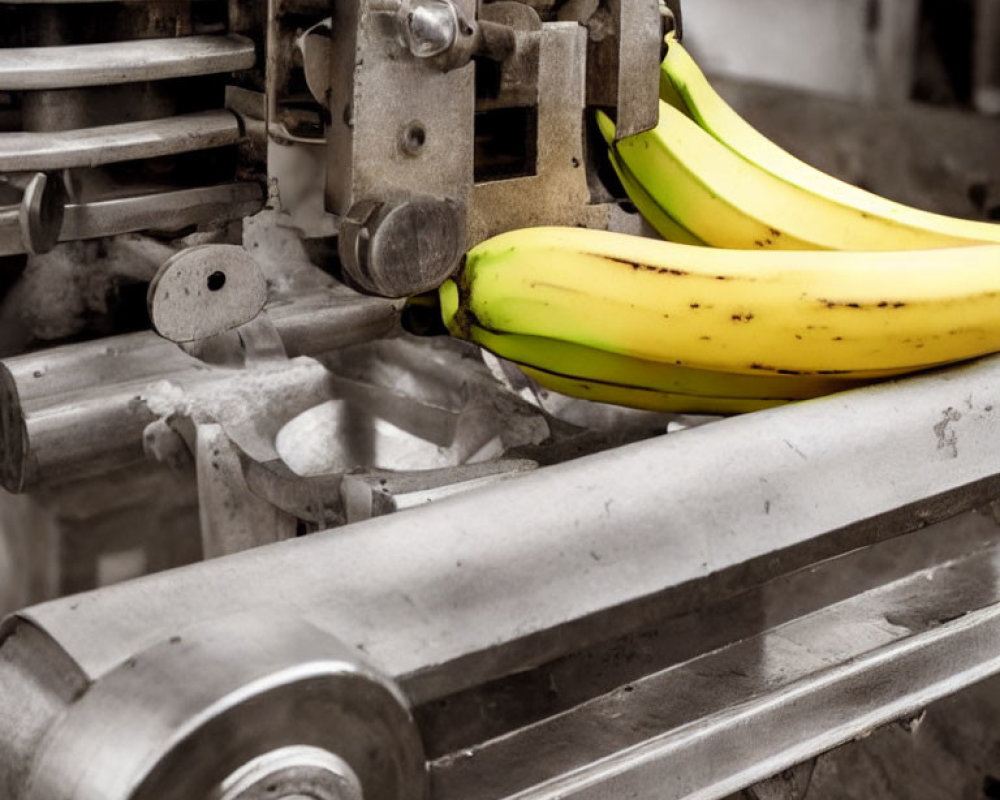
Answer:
(904, 227)
(646, 399)
(577, 362)
(727, 201)
(659, 219)
(857, 315)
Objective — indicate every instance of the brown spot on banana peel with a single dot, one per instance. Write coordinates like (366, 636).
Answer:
(859, 306)
(636, 266)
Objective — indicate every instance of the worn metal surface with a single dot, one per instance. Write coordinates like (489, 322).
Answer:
(107, 144)
(378, 92)
(404, 248)
(80, 409)
(68, 66)
(558, 193)
(623, 55)
(169, 211)
(510, 576)
(205, 290)
(722, 721)
(539, 567)
(149, 730)
(232, 517)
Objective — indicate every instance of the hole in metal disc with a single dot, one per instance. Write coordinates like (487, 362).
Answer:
(216, 281)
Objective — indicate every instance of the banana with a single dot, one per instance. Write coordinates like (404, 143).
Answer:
(727, 201)
(856, 315)
(571, 361)
(660, 220)
(646, 399)
(903, 225)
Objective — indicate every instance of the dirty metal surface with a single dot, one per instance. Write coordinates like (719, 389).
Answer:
(378, 93)
(722, 721)
(150, 732)
(21, 151)
(558, 193)
(161, 211)
(68, 66)
(516, 574)
(82, 408)
(205, 290)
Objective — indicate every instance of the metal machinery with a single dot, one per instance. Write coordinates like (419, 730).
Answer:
(513, 595)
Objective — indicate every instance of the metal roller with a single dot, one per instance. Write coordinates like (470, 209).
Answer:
(239, 709)
(69, 66)
(107, 144)
(451, 597)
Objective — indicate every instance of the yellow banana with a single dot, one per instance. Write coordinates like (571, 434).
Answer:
(571, 361)
(660, 220)
(727, 201)
(647, 399)
(903, 226)
(862, 315)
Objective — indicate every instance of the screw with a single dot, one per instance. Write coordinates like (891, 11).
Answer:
(431, 27)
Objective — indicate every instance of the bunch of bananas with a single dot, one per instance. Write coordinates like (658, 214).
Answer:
(775, 282)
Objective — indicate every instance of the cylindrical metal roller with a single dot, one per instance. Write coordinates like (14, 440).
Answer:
(239, 709)
(78, 409)
(22, 151)
(163, 211)
(68, 66)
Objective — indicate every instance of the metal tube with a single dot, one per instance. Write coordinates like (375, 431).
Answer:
(68, 66)
(161, 211)
(78, 409)
(107, 144)
(488, 583)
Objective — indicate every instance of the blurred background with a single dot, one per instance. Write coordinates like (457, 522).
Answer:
(899, 96)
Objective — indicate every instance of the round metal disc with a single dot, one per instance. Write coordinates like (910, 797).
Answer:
(204, 291)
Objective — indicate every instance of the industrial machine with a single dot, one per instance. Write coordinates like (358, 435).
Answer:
(471, 588)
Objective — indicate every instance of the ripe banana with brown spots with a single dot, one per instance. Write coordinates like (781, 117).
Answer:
(818, 320)
(709, 174)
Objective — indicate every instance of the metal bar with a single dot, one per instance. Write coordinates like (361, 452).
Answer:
(79, 409)
(511, 576)
(64, 67)
(168, 211)
(726, 720)
(11, 239)
(638, 55)
(161, 211)
(22, 151)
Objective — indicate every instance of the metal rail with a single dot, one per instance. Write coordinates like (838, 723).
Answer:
(69, 66)
(446, 598)
(23, 151)
(497, 580)
(720, 722)
(170, 210)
